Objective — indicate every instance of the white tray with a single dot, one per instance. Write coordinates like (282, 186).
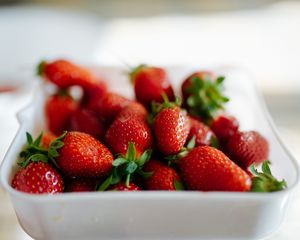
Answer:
(157, 215)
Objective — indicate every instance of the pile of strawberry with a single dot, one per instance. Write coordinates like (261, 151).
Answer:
(106, 142)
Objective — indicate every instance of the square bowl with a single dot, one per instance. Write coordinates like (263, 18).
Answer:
(157, 214)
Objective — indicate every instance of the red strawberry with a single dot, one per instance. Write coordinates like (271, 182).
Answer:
(150, 83)
(59, 109)
(86, 121)
(38, 178)
(203, 134)
(246, 148)
(127, 129)
(81, 185)
(171, 129)
(134, 109)
(109, 106)
(224, 127)
(163, 177)
(84, 156)
(122, 187)
(203, 95)
(65, 74)
(207, 169)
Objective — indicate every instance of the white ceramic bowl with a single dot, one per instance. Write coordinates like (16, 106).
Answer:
(157, 215)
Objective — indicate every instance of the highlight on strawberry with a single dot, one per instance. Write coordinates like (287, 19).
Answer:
(104, 141)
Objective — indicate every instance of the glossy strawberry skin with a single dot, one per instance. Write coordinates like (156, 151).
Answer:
(246, 148)
(128, 128)
(163, 177)
(122, 187)
(171, 128)
(150, 83)
(187, 83)
(65, 74)
(38, 178)
(109, 106)
(203, 134)
(207, 169)
(83, 120)
(58, 110)
(81, 185)
(84, 156)
(224, 127)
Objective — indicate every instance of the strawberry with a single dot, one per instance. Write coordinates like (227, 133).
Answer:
(171, 127)
(246, 148)
(207, 169)
(134, 109)
(83, 156)
(109, 106)
(80, 185)
(127, 168)
(58, 110)
(129, 128)
(38, 178)
(83, 120)
(150, 83)
(65, 74)
(224, 127)
(203, 95)
(203, 134)
(122, 187)
(163, 177)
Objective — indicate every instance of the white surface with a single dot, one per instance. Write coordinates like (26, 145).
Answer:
(156, 215)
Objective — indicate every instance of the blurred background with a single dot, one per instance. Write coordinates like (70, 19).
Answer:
(260, 36)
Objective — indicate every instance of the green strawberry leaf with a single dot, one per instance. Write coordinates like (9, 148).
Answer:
(34, 152)
(105, 184)
(119, 161)
(40, 68)
(29, 138)
(131, 167)
(205, 97)
(178, 185)
(144, 158)
(264, 181)
(131, 152)
(214, 143)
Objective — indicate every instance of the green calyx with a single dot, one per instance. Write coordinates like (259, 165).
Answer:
(156, 107)
(125, 168)
(134, 72)
(174, 159)
(34, 152)
(206, 97)
(264, 181)
(40, 68)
